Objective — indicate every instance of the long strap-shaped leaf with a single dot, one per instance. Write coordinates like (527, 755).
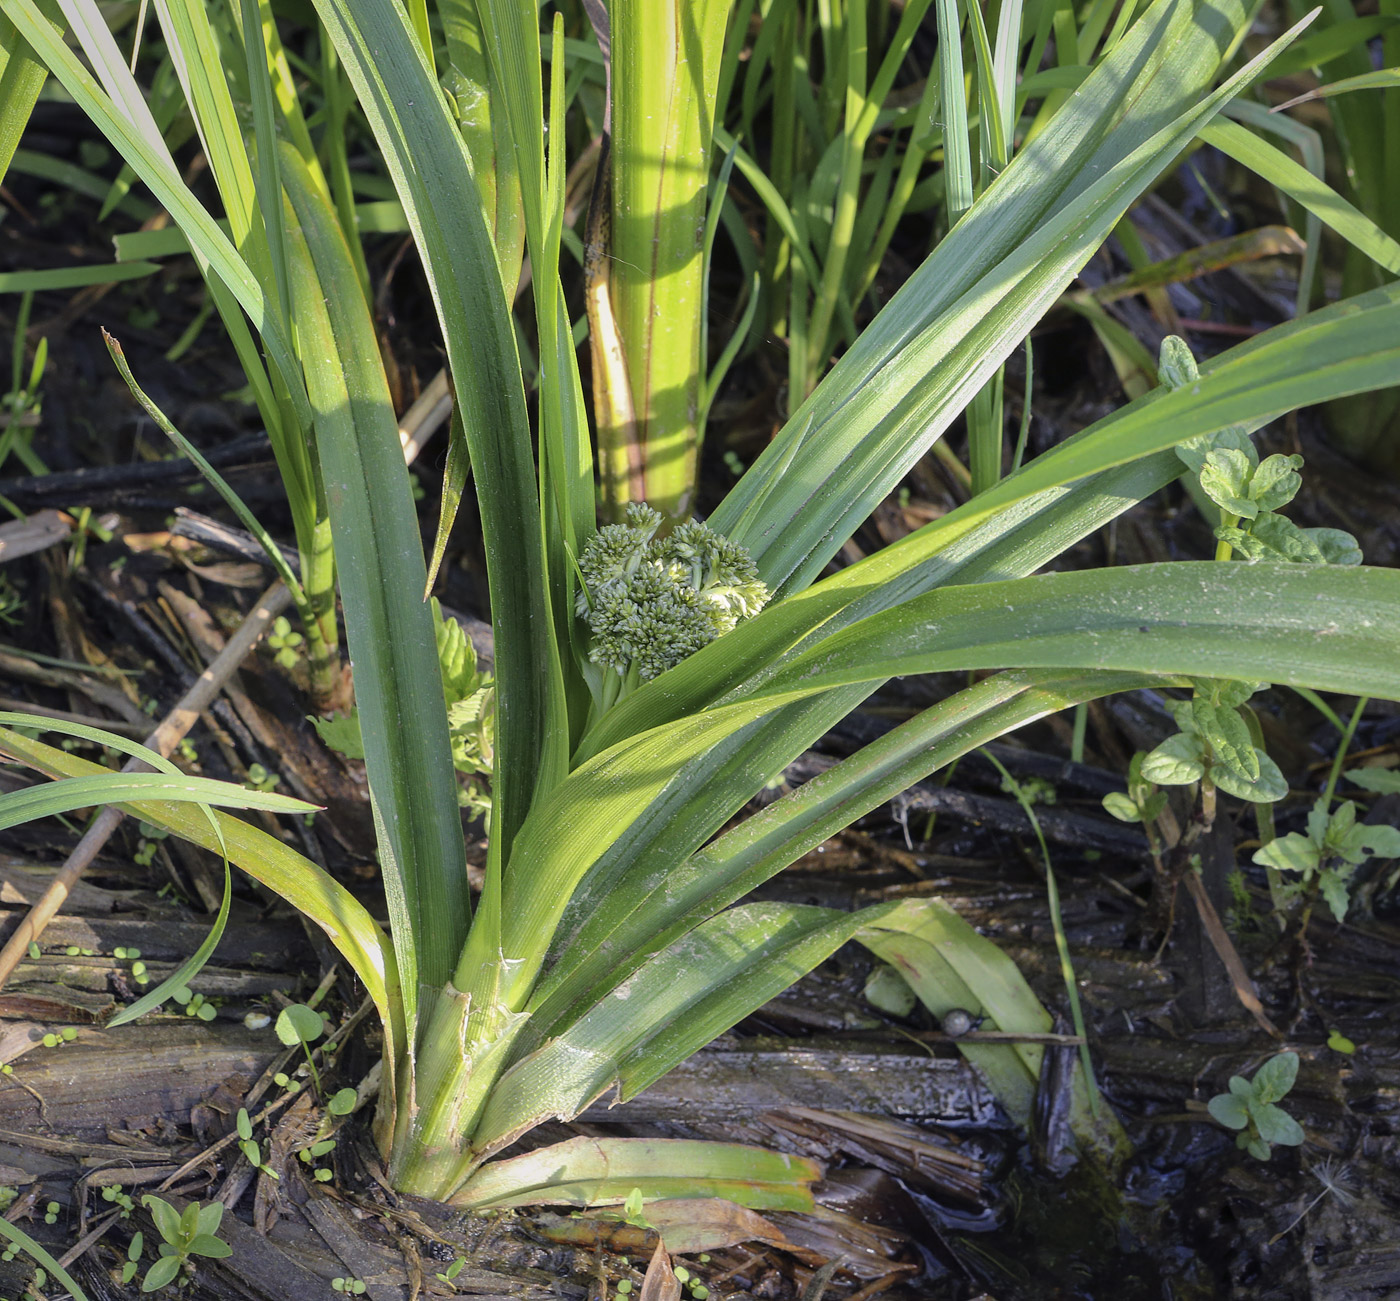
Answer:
(611, 926)
(1329, 628)
(307, 887)
(978, 294)
(424, 153)
(711, 978)
(1349, 347)
(138, 141)
(589, 1171)
(403, 720)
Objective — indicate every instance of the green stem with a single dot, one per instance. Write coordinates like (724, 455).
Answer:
(1342, 748)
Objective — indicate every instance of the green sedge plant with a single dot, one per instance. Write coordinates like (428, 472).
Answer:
(609, 941)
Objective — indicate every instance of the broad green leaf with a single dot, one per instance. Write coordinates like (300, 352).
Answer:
(299, 1024)
(1277, 1126)
(1229, 1110)
(954, 322)
(165, 1216)
(1175, 762)
(671, 1006)
(161, 1273)
(1275, 1077)
(1333, 628)
(1333, 885)
(613, 921)
(1225, 477)
(602, 1171)
(403, 717)
(1384, 781)
(1317, 626)
(1380, 841)
(1268, 787)
(1278, 538)
(1118, 805)
(1228, 736)
(205, 1244)
(1347, 347)
(425, 155)
(1276, 482)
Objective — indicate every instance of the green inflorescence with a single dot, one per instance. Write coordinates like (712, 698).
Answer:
(650, 601)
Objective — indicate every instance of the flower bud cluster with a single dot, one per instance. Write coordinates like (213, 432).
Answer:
(652, 601)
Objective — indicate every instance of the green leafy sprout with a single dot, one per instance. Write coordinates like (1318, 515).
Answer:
(184, 1235)
(1327, 856)
(1215, 746)
(1250, 1107)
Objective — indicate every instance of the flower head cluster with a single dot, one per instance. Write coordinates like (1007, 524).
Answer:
(652, 601)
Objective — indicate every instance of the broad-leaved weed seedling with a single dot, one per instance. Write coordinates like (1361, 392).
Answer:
(450, 1273)
(194, 1004)
(299, 1024)
(1250, 1107)
(185, 1236)
(1326, 858)
(289, 646)
(249, 1146)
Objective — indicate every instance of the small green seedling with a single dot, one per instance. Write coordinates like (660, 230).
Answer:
(1215, 747)
(132, 1264)
(470, 696)
(146, 847)
(1249, 1107)
(310, 1155)
(138, 968)
(248, 1145)
(287, 642)
(51, 1210)
(56, 1039)
(451, 1272)
(353, 1286)
(299, 1024)
(1035, 790)
(194, 1004)
(1339, 1043)
(260, 779)
(114, 1193)
(1248, 491)
(1328, 856)
(193, 1232)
